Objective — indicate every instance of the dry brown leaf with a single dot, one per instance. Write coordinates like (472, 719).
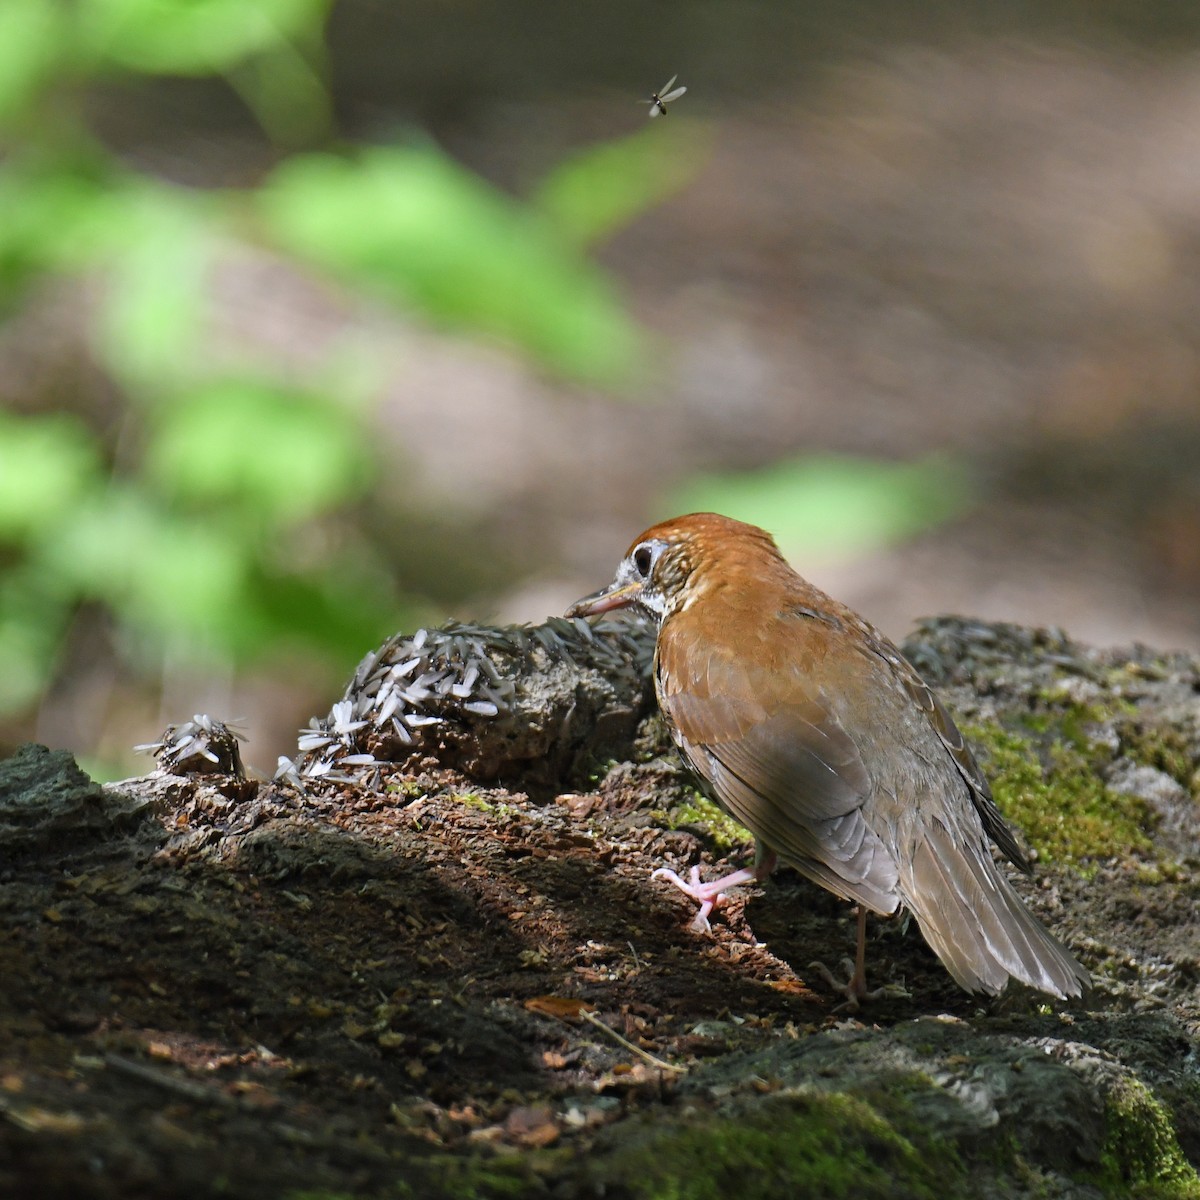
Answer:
(790, 987)
(532, 1127)
(565, 1008)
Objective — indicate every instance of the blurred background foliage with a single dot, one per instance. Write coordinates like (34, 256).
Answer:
(181, 515)
(205, 505)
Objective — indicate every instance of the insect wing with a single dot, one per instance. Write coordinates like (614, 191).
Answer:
(659, 101)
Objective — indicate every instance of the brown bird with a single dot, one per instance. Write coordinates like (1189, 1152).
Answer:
(810, 728)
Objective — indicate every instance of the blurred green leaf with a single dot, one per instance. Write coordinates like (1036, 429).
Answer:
(169, 572)
(595, 192)
(224, 531)
(33, 617)
(278, 454)
(32, 36)
(423, 231)
(154, 313)
(193, 37)
(203, 585)
(287, 94)
(57, 216)
(47, 464)
(834, 504)
(346, 605)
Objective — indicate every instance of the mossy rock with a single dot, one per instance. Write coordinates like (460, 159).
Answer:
(1141, 1155)
(1050, 791)
(806, 1143)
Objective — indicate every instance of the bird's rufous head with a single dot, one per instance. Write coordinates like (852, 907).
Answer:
(669, 564)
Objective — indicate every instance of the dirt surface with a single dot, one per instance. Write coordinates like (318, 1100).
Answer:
(211, 986)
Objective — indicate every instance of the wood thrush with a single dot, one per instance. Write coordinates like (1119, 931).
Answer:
(810, 728)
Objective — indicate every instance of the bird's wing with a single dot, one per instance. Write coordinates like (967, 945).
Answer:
(779, 761)
(954, 743)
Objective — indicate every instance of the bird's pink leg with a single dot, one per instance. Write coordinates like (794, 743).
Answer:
(710, 895)
(855, 988)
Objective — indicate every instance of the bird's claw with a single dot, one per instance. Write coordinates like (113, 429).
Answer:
(678, 880)
(854, 987)
(851, 986)
(703, 894)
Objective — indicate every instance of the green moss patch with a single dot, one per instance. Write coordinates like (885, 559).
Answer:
(1164, 748)
(1054, 796)
(486, 1175)
(482, 804)
(696, 811)
(809, 1143)
(1078, 722)
(473, 800)
(1141, 1156)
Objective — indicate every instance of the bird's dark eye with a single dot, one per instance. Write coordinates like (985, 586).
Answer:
(642, 558)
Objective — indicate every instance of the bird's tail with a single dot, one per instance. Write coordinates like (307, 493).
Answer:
(977, 924)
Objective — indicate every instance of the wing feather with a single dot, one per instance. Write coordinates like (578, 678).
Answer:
(787, 771)
(955, 744)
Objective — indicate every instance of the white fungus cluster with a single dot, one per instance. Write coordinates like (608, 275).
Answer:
(421, 693)
(202, 745)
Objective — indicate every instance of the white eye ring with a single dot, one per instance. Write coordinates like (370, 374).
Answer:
(643, 560)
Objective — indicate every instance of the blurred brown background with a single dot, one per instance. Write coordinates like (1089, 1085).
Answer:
(971, 232)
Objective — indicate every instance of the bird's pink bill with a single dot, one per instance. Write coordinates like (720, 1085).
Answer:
(659, 100)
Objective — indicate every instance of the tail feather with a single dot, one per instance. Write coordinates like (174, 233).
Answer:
(977, 924)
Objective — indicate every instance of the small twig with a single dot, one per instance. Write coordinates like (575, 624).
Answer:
(172, 1083)
(592, 1019)
(637, 965)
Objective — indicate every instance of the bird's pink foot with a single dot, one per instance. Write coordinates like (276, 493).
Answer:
(707, 895)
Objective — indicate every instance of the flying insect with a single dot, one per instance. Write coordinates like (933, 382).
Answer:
(659, 100)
